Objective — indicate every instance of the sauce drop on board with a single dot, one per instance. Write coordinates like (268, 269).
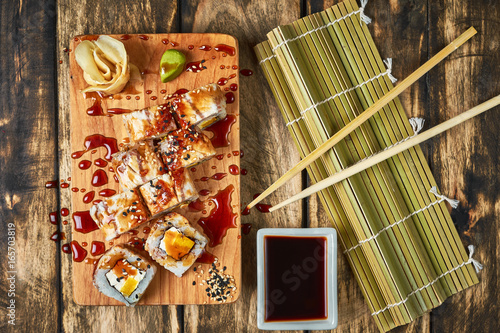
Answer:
(226, 49)
(64, 212)
(107, 192)
(88, 197)
(99, 178)
(195, 66)
(100, 163)
(221, 216)
(234, 170)
(95, 141)
(66, 248)
(296, 267)
(196, 205)
(95, 109)
(205, 47)
(119, 111)
(79, 253)
(84, 165)
(230, 98)
(221, 130)
(83, 222)
(206, 258)
(219, 176)
(204, 192)
(97, 248)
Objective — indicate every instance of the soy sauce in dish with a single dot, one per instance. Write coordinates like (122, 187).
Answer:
(295, 278)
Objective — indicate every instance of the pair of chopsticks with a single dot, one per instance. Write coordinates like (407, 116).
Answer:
(365, 116)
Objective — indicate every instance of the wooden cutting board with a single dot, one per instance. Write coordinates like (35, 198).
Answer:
(145, 52)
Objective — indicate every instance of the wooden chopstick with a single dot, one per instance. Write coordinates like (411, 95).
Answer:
(382, 156)
(375, 107)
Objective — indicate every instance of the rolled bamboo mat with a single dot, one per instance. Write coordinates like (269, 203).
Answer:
(395, 228)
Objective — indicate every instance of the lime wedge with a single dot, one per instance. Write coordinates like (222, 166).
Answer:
(171, 65)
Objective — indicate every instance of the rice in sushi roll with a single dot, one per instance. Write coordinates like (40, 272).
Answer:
(123, 274)
(174, 243)
(167, 191)
(137, 165)
(120, 213)
(151, 123)
(200, 107)
(185, 148)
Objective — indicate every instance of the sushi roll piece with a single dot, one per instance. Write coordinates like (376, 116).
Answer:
(123, 274)
(200, 107)
(151, 123)
(166, 192)
(120, 213)
(174, 243)
(184, 148)
(137, 165)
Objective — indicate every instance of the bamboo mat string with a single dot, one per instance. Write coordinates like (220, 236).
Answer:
(477, 266)
(416, 123)
(452, 202)
(388, 62)
(363, 18)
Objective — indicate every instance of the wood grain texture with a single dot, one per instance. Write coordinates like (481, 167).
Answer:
(464, 162)
(268, 148)
(465, 159)
(145, 52)
(95, 17)
(28, 129)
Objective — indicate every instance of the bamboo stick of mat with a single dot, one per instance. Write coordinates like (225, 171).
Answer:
(382, 156)
(393, 93)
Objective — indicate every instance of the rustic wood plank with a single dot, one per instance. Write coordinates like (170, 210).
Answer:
(28, 145)
(268, 149)
(145, 51)
(400, 32)
(465, 159)
(89, 17)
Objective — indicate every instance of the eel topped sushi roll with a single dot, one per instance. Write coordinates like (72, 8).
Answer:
(120, 213)
(123, 274)
(137, 165)
(184, 148)
(166, 192)
(200, 107)
(174, 243)
(151, 123)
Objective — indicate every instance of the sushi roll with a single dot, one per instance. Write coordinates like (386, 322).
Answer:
(123, 274)
(137, 165)
(120, 213)
(184, 148)
(200, 107)
(174, 243)
(151, 123)
(166, 192)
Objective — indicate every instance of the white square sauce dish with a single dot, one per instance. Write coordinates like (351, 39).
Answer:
(297, 279)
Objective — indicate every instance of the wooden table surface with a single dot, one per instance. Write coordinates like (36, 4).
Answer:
(34, 148)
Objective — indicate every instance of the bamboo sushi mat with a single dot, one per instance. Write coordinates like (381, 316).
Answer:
(395, 228)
